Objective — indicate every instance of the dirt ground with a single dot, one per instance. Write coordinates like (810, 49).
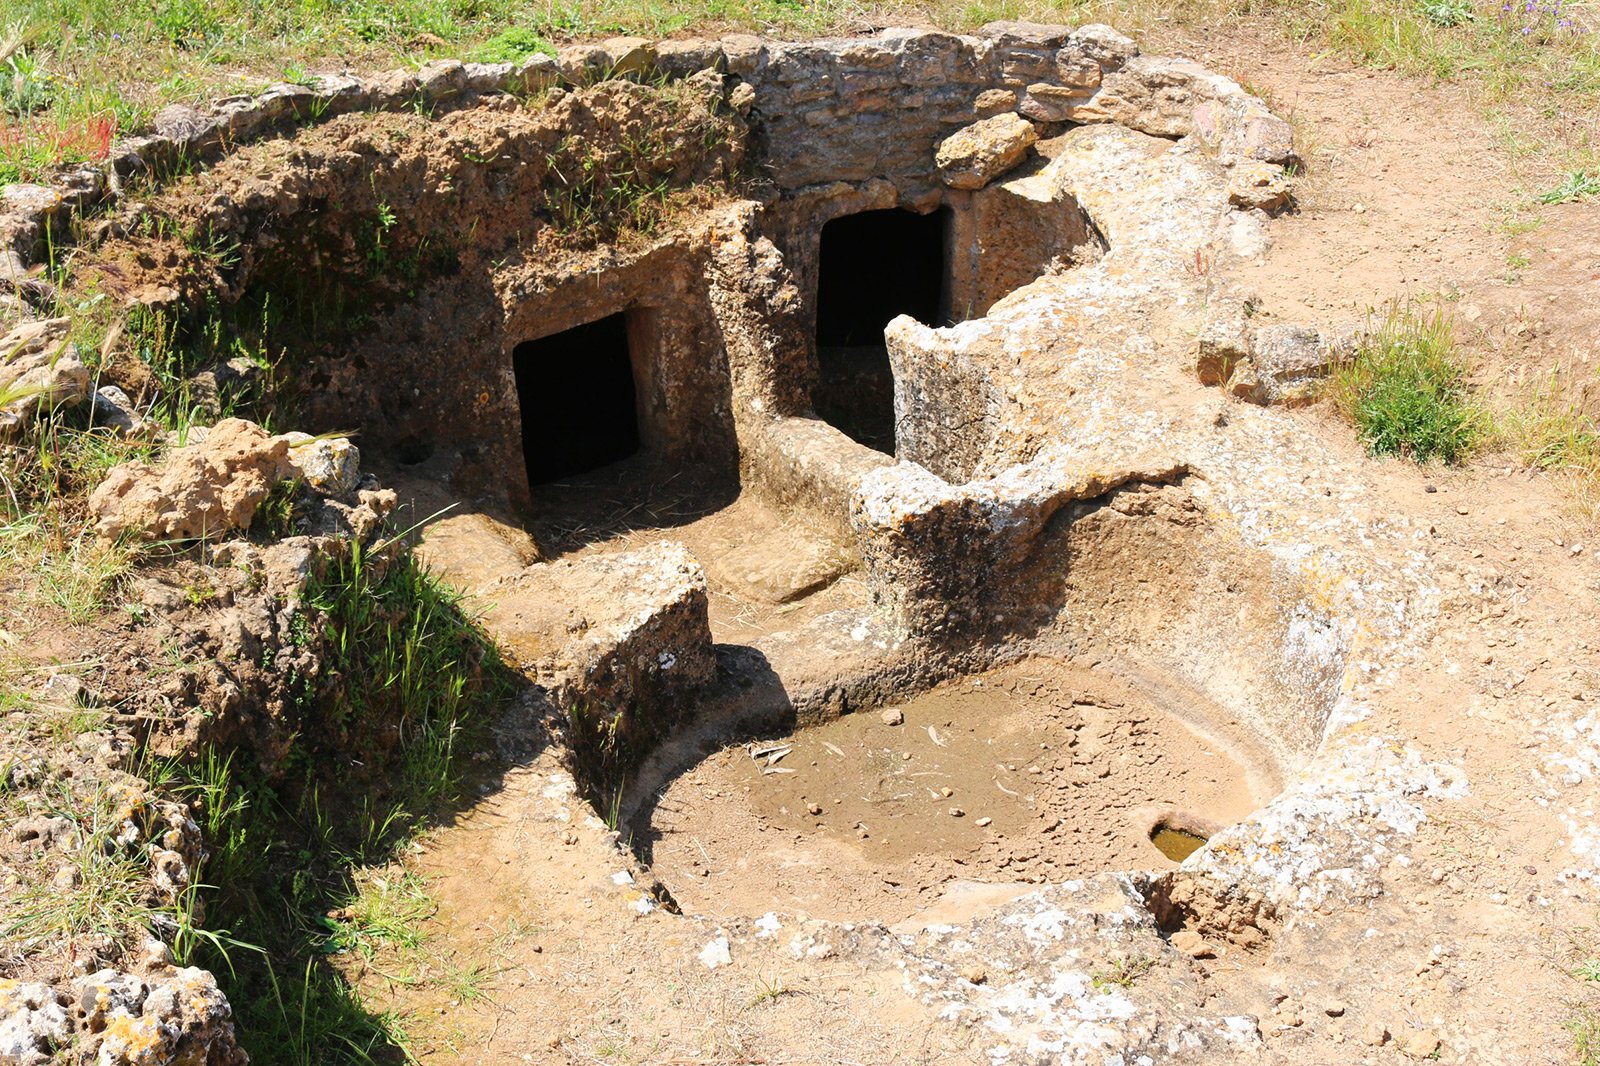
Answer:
(1031, 773)
(1408, 195)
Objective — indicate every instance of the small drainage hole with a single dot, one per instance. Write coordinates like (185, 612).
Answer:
(1176, 844)
(577, 396)
(873, 267)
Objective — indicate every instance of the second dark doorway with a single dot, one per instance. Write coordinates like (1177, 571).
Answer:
(873, 266)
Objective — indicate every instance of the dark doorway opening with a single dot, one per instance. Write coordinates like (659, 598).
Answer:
(576, 389)
(873, 266)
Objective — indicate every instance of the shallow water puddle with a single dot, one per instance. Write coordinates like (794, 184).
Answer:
(1176, 844)
(1033, 773)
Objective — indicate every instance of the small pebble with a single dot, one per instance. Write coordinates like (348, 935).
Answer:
(947, 792)
(984, 821)
(957, 812)
(893, 716)
(813, 808)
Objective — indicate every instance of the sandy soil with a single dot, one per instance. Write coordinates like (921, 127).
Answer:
(1031, 773)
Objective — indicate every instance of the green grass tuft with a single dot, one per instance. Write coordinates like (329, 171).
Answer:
(1550, 432)
(512, 45)
(1578, 185)
(1406, 390)
(1585, 1029)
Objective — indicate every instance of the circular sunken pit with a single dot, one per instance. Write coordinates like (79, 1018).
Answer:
(1035, 772)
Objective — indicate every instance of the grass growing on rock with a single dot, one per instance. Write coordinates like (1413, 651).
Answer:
(1406, 390)
(76, 72)
(300, 869)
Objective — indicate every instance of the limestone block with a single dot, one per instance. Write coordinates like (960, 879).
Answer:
(533, 74)
(679, 59)
(1292, 361)
(972, 157)
(627, 56)
(205, 489)
(180, 122)
(39, 370)
(1076, 71)
(339, 94)
(1223, 343)
(745, 53)
(1007, 34)
(582, 64)
(1274, 364)
(1045, 102)
(993, 102)
(442, 79)
(285, 101)
(25, 211)
(393, 88)
(1262, 186)
(628, 629)
(486, 77)
(331, 466)
(1099, 42)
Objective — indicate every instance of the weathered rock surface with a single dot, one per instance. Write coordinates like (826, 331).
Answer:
(170, 1016)
(205, 490)
(39, 369)
(1273, 364)
(113, 408)
(974, 156)
(330, 465)
(1264, 186)
(33, 1023)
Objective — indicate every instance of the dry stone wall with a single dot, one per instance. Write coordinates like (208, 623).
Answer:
(831, 110)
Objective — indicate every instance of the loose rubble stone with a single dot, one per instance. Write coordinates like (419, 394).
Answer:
(1420, 1044)
(331, 466)
(113, 408)
(1263, 186)
(206, 489)
(972, 157)
(39, 370)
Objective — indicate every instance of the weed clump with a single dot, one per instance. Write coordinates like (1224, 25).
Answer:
(1552, 433)
(1407, 392)
(512, 45)
(292, 879)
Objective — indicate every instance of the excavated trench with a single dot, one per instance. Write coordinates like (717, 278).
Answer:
(972, 791)
(786, 507)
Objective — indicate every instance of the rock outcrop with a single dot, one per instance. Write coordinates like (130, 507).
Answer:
(115, 1018)
(206, 489)
(39, 370)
